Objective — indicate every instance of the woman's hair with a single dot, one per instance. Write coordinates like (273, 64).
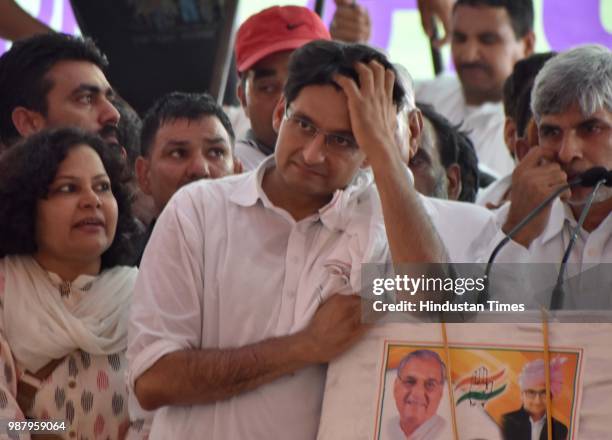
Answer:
(26, 172)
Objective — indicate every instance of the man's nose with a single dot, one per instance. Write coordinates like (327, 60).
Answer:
(199, 168)
(469, 52)
(109, 115)
(569, 148)
(315, 150)
(418, 391)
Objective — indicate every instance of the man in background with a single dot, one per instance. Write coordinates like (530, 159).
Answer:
(264, 43)
(488, 37)
(445, 165)
(53, 80)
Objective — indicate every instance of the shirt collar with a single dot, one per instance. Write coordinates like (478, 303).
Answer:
(335, 215)
(252, 140)
(540, 422)
(249, 190)
(559, 214)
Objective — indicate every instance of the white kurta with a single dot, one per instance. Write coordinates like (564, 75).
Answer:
(225, 268)
(484, 123)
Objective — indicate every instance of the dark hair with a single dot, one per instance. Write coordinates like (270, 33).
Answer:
(517, 88)
(128, 130)
(520, 12)
(317, 62)
(26, 171)
(468, 162)
(454, 146)
(180, 105)
(23, 69)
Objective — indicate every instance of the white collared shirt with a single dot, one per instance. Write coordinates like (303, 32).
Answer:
(537, 427)
(225, 268)
(495, 192)
(590, 250)
(484, 123)
(465, 229)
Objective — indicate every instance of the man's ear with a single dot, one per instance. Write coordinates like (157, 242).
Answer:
(241, 94)
(142, 174)
(524, 144)
(453, 176)
(533, 138)
(278, 114)
(529, 43)
(27, 122)
(521, 148)
(415, 130)
(510, 135)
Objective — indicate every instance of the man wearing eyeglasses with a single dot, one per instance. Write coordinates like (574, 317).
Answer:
(529, 422)
(235, 312)
(417, 391)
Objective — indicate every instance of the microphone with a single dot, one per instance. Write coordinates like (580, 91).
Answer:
(593, 176)
(557, 294)
(588, 178)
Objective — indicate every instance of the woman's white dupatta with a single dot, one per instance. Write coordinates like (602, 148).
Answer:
(40, 327)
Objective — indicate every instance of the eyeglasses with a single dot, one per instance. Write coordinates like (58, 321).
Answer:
(430, 385)
(335, 143)
(532, 394)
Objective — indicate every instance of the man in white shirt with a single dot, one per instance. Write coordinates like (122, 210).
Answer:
(572, 106)
(477, 224)
(520, 132)
(488, 38)
(223, 336)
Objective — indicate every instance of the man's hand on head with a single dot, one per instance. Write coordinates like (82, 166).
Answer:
(372, 111)
(534, 179)
(351, 22)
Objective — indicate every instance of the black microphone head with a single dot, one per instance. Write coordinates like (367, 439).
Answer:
(593, 175)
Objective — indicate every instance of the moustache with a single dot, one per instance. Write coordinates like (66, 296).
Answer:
(317, 169)
(109, 131)
(473, 66)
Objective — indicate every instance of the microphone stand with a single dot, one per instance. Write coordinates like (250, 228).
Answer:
(483, 298)
(558, 293)
(592, 177)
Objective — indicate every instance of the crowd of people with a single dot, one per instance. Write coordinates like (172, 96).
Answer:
(192, 271)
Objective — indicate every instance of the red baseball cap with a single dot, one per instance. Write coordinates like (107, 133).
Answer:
(274, 30)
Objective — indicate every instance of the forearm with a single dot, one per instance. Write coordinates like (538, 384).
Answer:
(191, 377)
(411, 235)
(15, 23)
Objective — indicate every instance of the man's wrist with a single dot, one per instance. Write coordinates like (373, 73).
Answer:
(385, 154)
(523, 237)
(302, 348)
